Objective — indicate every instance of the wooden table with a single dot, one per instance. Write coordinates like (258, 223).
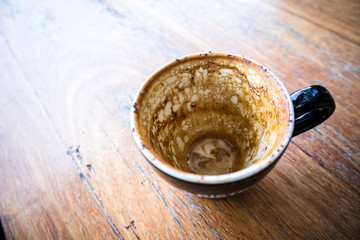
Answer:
(69, 168)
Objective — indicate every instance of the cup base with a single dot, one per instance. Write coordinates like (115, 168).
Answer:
(219, 195)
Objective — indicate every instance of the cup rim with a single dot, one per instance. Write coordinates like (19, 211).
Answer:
(154, 159)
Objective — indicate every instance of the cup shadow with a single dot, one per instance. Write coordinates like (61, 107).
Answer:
(261, 209)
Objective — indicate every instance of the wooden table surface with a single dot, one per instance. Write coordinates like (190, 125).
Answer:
(69, 168)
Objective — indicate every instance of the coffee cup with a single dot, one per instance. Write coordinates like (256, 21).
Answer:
(214, 124)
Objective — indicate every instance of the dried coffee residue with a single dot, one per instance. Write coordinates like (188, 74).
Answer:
(213, 155)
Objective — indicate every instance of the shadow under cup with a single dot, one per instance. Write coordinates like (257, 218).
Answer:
(212, 117)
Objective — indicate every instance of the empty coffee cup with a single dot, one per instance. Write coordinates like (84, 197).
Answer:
(213, 124)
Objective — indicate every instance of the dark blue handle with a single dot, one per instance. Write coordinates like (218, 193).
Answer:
(312, 106)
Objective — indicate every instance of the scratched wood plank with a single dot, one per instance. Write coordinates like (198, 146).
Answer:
(335, 16)
(86, 67)
(42, 195)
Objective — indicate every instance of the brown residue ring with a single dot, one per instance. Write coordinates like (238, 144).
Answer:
(135, 107)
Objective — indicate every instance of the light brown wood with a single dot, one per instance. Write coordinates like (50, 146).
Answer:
(69, 70)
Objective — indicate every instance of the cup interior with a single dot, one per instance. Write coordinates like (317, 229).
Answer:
(212, 114)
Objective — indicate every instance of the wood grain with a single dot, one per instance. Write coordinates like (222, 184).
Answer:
(69, 70)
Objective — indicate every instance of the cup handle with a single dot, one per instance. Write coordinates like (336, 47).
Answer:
(312, 106)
